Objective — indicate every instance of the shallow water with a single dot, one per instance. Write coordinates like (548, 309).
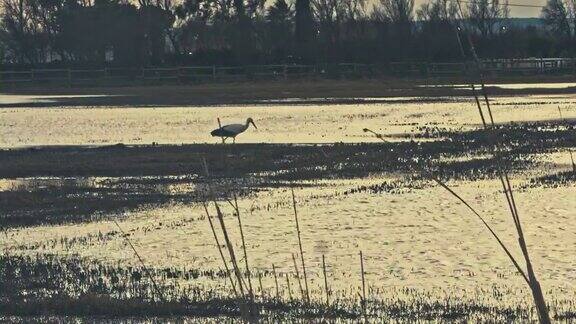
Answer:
(555, 85)
(419, 238)
(276, 123)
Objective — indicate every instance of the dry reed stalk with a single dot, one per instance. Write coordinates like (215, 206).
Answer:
(542, 308)
(298, 276)
(325, 280)
(300, 245)
(261, 286)
(363, 297)
(430, 176)
(237, 210)
(230, 248)
(220, 126)
(478, 104)
(228, 272)
(247, 314)
(156, 289)
(220, 251)
(289, 287)
(276, 282)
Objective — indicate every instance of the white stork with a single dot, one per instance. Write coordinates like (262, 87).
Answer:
(232, 130)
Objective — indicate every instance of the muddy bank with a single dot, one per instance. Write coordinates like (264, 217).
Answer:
(284, 161)
(287, 92)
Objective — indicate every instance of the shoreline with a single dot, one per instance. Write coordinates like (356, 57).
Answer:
(319, 92)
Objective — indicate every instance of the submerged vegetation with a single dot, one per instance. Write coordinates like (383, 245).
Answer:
(51, 285)
(85, 184)
(48, 285)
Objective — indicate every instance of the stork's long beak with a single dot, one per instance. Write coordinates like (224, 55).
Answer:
(254, 124)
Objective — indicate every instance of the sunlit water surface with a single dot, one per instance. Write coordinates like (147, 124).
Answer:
(420, 238)
(277, 123)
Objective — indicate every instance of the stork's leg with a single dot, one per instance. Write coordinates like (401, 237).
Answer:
(224, 140)
(234, 140)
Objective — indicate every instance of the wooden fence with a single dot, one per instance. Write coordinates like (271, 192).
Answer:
(198, 74)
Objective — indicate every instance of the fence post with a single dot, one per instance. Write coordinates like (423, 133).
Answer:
(285, 71)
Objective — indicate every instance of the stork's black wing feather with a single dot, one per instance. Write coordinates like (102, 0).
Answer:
(221, 132)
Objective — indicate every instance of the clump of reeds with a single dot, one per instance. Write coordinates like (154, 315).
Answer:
(244, 295)
(51, 285)
(528, 274)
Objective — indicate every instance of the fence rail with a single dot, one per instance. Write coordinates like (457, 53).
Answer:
(196, 74)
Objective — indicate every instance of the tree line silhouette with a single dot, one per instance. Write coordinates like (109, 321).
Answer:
(241, 32)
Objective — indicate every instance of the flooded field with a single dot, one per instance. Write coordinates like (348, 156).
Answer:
(418, 241)
(276, 123)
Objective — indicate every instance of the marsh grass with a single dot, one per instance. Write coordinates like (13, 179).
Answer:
(47, 285)
(326, 289)
(527, 271)
(64, 287)
(57, 200)
(363, 300)
(140, 294)
(159, 294)
(300, 245)
(528, 275)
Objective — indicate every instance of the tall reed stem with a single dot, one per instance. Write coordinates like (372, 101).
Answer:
(276, 282)
(300, 245)
(542, 308)
(325, 280)
(289, 286)
(235, 205)
(228, 273)
(262, 294)
(298, 276)
(230, 248)
(363, 301)
(248, 314)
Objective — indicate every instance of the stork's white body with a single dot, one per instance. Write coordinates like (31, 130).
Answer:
(235, 128)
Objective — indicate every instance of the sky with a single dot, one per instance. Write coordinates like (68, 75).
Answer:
(520, 12)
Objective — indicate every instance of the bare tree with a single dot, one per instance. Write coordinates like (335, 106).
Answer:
(559, 17)
(485, 15)
(437, 12)
(436, 30)
(16, 25)
(305, 31)
(397, 12)
(395, 18)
